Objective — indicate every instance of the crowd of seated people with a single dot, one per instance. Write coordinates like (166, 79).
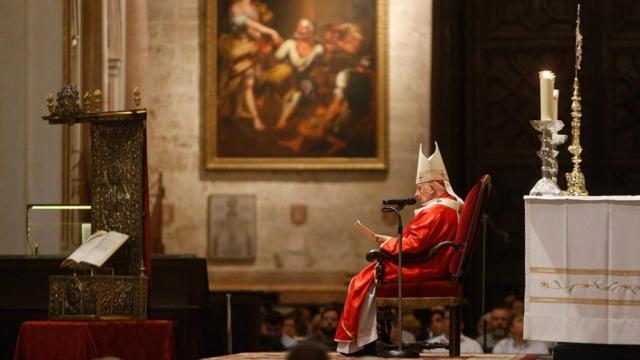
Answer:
(311, 328)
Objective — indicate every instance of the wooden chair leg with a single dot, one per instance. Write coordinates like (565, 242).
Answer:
(454, 331)
(383, 327)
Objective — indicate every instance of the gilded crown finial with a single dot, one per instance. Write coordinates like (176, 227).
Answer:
(97, 100)
(86, 100)
(50, 102)
(136, 96)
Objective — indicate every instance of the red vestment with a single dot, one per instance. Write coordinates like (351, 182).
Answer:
(432, 224)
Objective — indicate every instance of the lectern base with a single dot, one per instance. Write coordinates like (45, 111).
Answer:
(99, 297)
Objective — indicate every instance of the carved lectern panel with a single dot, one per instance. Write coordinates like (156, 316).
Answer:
(117, 188)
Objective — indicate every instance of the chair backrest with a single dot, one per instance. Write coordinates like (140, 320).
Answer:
(467, 233)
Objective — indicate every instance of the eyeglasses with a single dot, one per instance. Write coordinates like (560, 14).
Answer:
(330, 318)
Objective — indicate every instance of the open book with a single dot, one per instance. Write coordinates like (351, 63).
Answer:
(97, 249)
(364, 230)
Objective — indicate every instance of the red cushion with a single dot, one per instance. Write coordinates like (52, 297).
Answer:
(424, 288)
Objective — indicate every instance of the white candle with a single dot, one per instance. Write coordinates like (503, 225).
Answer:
(547, 79)
(556, 93)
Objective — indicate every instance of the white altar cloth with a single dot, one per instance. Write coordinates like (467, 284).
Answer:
(582, 269)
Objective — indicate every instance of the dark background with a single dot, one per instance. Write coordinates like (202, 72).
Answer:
(485, 89)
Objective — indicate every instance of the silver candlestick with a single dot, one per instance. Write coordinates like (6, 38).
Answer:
(549, 140)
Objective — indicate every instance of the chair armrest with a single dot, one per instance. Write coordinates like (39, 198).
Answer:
(442, 245)
(379, 255)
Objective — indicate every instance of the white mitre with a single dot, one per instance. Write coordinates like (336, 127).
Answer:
(432, 168)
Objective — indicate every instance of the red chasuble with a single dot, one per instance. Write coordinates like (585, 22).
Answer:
(432, 224)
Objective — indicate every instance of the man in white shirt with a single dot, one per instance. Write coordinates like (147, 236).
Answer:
(516, 344)
(467, 344)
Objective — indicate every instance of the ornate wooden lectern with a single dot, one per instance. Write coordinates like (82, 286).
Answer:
(118, 187)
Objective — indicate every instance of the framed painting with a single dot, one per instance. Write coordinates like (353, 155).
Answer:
(296, 84)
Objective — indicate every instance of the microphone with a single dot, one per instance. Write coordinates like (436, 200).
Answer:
(399, 202)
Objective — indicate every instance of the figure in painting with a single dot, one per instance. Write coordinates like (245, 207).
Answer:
(300, 54)
(249, 40)
(342, 43)
(350, 103)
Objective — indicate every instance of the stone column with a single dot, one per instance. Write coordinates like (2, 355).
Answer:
(137, 49)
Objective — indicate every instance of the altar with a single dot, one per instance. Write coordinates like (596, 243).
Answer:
(582, 269)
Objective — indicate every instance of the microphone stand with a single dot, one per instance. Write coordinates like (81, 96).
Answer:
(400, 352)
(485, 219)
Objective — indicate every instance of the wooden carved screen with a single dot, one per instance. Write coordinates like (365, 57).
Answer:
(486, 58)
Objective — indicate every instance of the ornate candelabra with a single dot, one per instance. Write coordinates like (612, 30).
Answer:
(575, 179)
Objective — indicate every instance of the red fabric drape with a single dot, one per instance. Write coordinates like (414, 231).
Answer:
(69, 340)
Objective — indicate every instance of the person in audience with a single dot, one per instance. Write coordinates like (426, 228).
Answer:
(306, 314)
(412, 324)
(517, 306)
(498, 328)
(327, 327)
(515, 343)
(467, 344)
(272, 337)
(410, 327)
(436, 326)
(484, 319)
(294, 326)
(514, 303)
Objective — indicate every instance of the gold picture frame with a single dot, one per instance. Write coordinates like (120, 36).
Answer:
(296, 84)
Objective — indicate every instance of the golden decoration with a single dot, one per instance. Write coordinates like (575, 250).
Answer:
(575, 179)
(50, 102)
(97, 100)
(136, 96)
(87, 101)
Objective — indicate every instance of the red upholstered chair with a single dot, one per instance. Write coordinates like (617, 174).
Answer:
(445, 291)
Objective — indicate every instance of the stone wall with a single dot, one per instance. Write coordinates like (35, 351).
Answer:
(325, 250)
(30, 148)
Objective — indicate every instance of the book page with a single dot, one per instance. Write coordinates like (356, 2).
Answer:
(105, 247)
(364, 230)
(83, 251)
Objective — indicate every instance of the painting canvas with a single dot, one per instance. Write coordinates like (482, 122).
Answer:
(232, 228)
(296, 84)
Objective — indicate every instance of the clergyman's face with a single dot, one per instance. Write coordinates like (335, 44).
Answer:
(424, 192)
